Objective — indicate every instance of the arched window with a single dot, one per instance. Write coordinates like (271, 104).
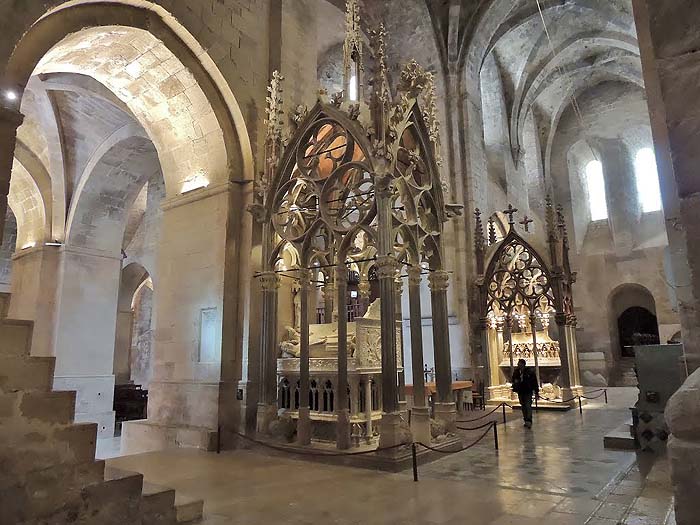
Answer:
(596, 191)
(647, 177)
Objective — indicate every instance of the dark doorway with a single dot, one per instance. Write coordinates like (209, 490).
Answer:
(637, 326)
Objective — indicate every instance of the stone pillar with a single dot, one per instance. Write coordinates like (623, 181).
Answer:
(566, 377)
(683, 420)
(533, 328)
(390, 428)
(668, 46)
(85, 332)
(329, 300)
(445, 409)
(341, 398)
(197, 354)
(267, 404)
(10, 120)
(304, 423)
(368, 407)
(398, 288)
(420, 413)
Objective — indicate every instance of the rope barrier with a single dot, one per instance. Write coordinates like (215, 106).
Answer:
(485, 415)
(482, 436)
(476, 428)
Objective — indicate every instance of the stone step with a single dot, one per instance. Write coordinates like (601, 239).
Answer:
(53, 407)
(26, 373)
(188, 510)
(115, 501)
(15, 337)
(158, 504)
(620, 439)
(35, 449)
(37, 490)
(164, 505)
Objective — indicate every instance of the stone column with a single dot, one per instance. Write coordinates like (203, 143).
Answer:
(420, 413)
(267, 405)
(533, 328)
(390, 428)
(683, 420)
(341, 398)
(304, 423)
(329, 302)
(398, 288)
(10, 120)
(368, 407)
(445, 409)
(566, 377)
(668, 47)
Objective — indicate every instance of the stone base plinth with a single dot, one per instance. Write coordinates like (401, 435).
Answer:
(94, 400)
(145, 436)
(392, 430)
(420, 424)
(447, 414)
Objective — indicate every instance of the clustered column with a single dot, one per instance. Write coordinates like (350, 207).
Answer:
(445, 409)
(420, 413)
(267, 410)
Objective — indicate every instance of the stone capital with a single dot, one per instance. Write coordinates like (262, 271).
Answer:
(386, 267)
(304, 278)
(364, 288)
(269, 281)
(438, 281)
(414, 275)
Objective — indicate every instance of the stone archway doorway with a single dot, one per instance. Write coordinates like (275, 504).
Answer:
(636, 326)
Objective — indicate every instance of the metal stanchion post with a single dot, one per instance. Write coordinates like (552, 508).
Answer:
(495, 435)
(580, 406)
(606, 395)
(537, 399)
(218, 439)
(415, 462)
(503, 406)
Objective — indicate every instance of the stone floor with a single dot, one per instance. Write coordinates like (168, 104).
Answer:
(558, 471)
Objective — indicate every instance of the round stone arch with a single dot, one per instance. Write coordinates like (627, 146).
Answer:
(621, 299)
(72, 21)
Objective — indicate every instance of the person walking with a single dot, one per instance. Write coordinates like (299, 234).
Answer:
(525, 385)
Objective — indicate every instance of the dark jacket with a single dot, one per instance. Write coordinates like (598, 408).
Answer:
(525, 382)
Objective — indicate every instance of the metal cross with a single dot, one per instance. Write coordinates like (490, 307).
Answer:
(510, 212)
(526, 223)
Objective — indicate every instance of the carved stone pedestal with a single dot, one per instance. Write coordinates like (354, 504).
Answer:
(420, 424)
(447, 414)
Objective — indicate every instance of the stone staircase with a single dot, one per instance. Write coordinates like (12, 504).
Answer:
(48, 471)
